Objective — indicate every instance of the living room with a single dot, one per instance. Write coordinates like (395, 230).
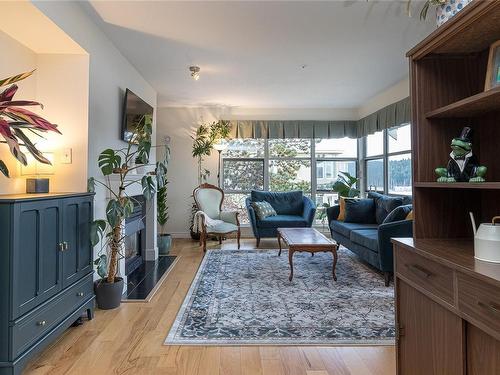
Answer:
(249, 187)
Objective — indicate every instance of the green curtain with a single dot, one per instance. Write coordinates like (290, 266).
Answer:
(394, 114)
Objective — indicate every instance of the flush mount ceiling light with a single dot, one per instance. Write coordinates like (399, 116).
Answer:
(195, 72)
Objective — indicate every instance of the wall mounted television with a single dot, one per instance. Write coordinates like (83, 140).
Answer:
(134, 108)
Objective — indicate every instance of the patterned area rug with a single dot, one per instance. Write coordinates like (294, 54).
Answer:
(243, 297)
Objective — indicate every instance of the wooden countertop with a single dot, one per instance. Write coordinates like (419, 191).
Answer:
(457, 253)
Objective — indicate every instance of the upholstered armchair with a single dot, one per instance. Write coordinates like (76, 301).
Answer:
(212, 220)
(293, 209)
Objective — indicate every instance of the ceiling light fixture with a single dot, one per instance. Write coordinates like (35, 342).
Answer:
(195, 72)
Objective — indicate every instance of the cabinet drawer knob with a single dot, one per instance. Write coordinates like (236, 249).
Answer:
(79, 294)
(41, 323)
(66, 245)
(61, 246)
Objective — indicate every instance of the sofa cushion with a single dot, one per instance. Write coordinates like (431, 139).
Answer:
(384, 205)
(345, 228)
(360, 211)
(263, 209)
(399, 213)
(287, 203)
(282, 221)
(342, 200)
(366, 237)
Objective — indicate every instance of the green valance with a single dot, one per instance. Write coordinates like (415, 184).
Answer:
(395, 114)
(293, 129)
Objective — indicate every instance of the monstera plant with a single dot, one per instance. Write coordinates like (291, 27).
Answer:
(16, 123)
(119, 167)
(345, 185)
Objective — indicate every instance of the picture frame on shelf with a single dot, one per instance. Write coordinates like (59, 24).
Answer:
(493, 72)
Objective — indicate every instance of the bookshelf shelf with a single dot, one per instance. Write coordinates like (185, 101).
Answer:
(473, 106)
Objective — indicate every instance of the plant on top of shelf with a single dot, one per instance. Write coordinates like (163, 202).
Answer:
(110, 231)
(345, 185)
(16, 122)
(445, 9)
(203, 141)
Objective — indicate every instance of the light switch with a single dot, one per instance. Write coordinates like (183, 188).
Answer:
(66, 157)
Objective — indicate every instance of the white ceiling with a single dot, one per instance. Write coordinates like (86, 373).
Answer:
(252, 54)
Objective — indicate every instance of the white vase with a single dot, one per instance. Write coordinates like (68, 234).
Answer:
(448, 9)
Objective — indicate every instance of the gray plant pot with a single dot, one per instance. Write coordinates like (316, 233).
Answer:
(164, 244)
(108, 296)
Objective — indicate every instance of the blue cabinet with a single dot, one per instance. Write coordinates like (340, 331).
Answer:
(46, 280)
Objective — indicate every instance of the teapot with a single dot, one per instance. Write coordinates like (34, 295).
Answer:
(487, 240)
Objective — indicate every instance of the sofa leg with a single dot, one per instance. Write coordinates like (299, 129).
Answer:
(387, 278)
(258, 242)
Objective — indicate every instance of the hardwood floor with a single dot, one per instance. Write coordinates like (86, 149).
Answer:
(129, 340)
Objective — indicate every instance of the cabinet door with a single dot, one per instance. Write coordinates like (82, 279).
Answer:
(431, 338)
(37, 257)
(483, 353)
(77, 256)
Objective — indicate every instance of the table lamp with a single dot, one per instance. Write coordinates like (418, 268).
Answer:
(33, 170)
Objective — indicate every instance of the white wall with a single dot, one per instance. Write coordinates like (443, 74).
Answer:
(60, 83)
(178, 123)
(63, 87)
(110, 75)
(18, 59)
(391, 95)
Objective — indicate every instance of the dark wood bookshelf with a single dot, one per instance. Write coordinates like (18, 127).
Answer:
(473, 106)
(447, 74)
(447, 302)
(459, 185)
(470, 31)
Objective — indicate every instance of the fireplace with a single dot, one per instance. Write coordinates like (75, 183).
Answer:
(135, 236)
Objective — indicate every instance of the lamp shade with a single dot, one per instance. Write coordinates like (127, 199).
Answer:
(35, 168)
(221, 145)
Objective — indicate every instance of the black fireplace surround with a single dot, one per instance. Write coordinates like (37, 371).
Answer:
(135, 235)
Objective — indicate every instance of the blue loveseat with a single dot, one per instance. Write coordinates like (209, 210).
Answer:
(371, 241)
(293, 210)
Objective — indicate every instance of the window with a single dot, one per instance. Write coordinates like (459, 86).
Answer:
(400, 174)
(336, 148)
(388, 161)
(290, 165)
(242, 171)
(286, 164)
(375, 144)
(332, 156)
(375, 175)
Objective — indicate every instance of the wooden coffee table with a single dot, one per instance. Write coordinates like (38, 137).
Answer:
(306, 239)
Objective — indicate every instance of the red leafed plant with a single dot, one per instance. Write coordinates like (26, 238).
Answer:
(16, 122)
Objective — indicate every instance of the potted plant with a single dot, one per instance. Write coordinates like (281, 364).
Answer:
(110, 231)
(16, 123)
(203, 141)
(164, 239)
(345, 185)
(445, 9)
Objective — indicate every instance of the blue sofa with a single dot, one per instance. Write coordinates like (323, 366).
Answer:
(372, 241)
(293, 208)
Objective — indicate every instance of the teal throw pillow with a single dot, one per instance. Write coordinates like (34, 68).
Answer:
(263, 209)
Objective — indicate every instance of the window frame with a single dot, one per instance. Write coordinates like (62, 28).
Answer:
(313, 160)
(385, 157)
